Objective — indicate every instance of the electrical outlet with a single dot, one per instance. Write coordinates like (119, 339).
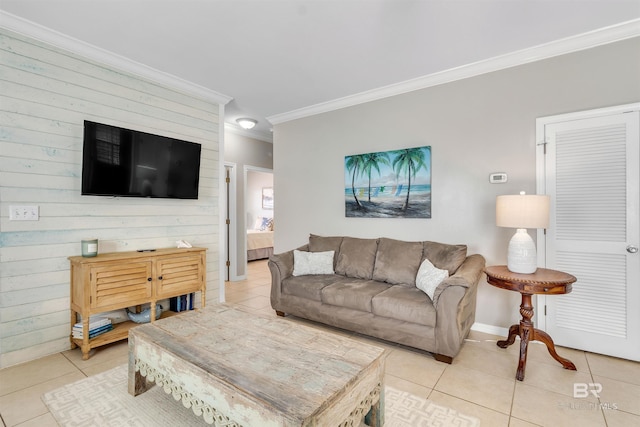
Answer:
(23, 213)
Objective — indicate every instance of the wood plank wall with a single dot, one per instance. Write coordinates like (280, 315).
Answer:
(46, 94)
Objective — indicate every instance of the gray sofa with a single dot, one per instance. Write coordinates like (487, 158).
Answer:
(372, 290)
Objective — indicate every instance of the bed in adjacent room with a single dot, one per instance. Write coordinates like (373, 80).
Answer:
(260, 241)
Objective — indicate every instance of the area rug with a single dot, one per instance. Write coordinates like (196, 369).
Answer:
(103, 400)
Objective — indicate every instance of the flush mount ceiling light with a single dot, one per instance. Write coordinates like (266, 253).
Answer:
(246, 123)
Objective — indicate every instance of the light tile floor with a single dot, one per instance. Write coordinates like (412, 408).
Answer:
(480, 382)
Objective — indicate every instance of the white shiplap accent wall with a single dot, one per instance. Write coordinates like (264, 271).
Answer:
(46, 94)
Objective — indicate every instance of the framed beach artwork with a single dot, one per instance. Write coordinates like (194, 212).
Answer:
(388, 184)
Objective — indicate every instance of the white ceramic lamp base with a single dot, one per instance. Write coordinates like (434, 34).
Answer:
(522, 257)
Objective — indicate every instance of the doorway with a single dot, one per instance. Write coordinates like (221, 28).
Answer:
(259, 213)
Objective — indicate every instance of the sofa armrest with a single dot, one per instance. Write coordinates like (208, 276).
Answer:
(467, 276)
(456, 305)
(281, 267)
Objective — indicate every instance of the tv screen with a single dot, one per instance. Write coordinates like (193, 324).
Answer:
(124, 162)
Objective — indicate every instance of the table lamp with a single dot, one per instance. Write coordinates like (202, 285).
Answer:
(522, 211)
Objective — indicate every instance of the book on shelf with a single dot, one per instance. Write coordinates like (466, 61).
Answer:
(97, 325)
(92, 329)
(93, 332)
(181, 303)
(95, 322)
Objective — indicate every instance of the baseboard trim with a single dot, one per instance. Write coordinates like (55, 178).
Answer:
(490, 329)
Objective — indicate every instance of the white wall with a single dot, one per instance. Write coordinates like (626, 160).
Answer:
(475, 126)
(47, 93)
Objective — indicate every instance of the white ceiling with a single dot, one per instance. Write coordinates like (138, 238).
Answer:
(277, 56)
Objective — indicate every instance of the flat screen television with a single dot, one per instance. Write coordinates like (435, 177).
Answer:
(125, 162)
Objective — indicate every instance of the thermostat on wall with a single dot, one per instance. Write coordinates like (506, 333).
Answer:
(498, 178)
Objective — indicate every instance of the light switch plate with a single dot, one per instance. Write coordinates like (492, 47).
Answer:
(24, 213)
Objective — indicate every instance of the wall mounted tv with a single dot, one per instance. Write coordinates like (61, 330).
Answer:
(124, 162)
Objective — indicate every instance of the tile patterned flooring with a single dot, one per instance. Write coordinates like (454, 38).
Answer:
(480, 382)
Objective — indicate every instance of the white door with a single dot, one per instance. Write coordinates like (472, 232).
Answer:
(592, 173)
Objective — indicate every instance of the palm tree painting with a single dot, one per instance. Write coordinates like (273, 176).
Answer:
(354, 165)
(389, 184)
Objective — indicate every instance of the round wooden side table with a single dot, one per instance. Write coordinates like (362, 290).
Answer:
(543, 281)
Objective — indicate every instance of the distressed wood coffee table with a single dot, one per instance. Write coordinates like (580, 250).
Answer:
(237, 368)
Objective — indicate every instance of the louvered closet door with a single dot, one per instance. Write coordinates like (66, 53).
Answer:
(592, 175)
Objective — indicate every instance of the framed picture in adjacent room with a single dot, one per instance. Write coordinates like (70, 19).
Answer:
(267, 197)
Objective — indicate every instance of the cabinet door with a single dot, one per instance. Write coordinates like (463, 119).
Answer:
(179, 274)
(116, 285)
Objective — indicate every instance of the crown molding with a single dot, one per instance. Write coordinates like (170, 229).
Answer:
(62, 41)
(606, 35)
(229, 127)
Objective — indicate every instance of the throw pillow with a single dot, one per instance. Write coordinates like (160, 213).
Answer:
(265, 226)
(429, 277)
(258, 224)
(305, 263)
(323, 244)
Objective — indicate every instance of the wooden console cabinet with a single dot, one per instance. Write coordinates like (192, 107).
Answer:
(119, 280)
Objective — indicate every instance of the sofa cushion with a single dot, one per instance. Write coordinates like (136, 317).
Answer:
(323, 244)
(429, 277)
(357, 257)
(305, 263)
(446, 257)
(405, 303)
(309, 287)
(397, 262)
(354, 293)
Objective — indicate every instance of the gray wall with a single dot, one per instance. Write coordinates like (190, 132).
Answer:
(475, 126)
(47, 93)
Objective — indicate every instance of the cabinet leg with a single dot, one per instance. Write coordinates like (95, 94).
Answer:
(85, 336)
(74, 319)
(85, 352)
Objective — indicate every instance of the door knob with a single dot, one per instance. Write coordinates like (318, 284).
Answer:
(632, 249)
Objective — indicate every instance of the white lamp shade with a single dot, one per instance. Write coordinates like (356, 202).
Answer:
(522, 211)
